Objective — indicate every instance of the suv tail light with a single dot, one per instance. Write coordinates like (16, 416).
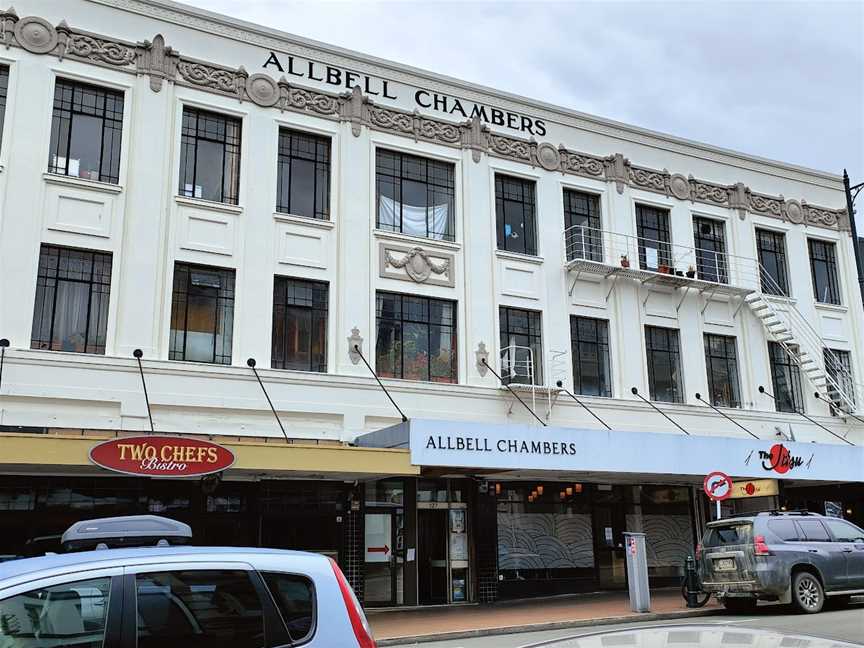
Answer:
(760, 547)
(699, 551)
(355, 612)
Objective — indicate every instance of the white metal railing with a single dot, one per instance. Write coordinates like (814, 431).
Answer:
(583, 243)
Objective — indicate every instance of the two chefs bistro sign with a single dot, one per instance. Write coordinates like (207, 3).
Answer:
(161, 456)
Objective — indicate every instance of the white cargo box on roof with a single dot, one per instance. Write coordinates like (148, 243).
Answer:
(127, 530)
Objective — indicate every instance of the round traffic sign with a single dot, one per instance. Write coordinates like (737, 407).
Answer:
(718, 486)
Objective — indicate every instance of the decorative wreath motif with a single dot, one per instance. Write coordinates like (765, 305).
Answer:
(417, 264)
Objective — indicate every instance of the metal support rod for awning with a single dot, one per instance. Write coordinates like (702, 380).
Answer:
(380, 384)
(511, 390)
(138, 353)
(251, 364)
(724, 415)
(819, 397)
(635, 392)
(573, 396)
(802, 414)
(3, 344)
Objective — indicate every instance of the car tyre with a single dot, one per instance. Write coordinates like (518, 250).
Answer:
(808, 597)
(739, 603)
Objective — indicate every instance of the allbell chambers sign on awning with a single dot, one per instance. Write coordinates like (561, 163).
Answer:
(461, 444)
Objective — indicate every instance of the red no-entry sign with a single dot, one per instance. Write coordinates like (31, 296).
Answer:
(718, 486)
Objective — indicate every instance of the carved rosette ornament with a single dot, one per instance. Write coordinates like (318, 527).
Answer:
(36, 35)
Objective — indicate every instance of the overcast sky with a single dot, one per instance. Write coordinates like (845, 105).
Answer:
(779, 79)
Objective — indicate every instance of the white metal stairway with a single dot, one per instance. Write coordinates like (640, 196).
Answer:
(803, 344)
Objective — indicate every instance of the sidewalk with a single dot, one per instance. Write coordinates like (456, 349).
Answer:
(452, 622)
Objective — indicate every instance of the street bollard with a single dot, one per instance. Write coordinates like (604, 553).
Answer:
(692, 582)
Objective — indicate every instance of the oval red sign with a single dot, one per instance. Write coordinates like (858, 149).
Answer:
(161, 456)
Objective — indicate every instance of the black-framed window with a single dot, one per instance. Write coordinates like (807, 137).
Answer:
(838, 365)
(771, 247)
(4, 91)
(786, 380)
(415, 195)
(655, 240)
(520, 330)
(582, 224)
(589, 338)
(72, 293)
(202, 314)
(515, 214)
(303, 168)
(86, 128)
(299, 324)
(210, 156)
(721, 362)
(664, 364)
(416, 338)
(823, 267)
(709, 237)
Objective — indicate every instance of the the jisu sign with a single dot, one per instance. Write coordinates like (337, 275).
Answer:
(161, 456)
(306, 71)
(521, 447)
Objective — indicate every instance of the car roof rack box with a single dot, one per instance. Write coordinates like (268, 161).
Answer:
(125, 531)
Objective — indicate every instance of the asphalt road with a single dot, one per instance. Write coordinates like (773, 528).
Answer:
(845, 624)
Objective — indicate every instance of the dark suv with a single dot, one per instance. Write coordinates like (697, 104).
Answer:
(791, 557)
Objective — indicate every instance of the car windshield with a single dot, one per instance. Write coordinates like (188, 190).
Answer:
(728, 535)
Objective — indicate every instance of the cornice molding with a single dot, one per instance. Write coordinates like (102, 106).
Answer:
(162, 63)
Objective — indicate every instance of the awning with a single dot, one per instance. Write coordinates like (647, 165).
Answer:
(69, 454)
(487, 448)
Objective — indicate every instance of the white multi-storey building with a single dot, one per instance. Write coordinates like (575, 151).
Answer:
(208, 191)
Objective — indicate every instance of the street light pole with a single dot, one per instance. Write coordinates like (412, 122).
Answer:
(856, 244)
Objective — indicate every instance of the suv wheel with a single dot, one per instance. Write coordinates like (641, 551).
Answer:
(739, 603)
(807, 593)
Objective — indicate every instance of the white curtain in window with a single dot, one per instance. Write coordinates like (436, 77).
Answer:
(70, 316)
(414, 218)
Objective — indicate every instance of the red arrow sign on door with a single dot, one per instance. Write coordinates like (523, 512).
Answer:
(385, 549)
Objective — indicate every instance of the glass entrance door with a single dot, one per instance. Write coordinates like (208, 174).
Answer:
(609, 527)
(380, 551)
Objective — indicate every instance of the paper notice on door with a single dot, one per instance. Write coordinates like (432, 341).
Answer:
(651, 257)
(409, 554)
(378, 537)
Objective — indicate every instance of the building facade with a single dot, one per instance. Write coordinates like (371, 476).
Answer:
(210, 192)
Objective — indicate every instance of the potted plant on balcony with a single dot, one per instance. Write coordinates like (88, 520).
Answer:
(625, 262)
(691, 272)
(663, 269)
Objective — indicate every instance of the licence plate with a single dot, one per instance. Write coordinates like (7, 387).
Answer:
(724, 564)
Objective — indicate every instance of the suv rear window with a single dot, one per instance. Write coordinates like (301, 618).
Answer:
(813, 530)
(721, 536)
(784, 529)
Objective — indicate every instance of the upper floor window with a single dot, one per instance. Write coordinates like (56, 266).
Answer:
(838, 366)
(664, 364)
(590, 347)
(4, 89)
(786, 380)
(202, 314)
(415, 195)
(521, 345)
(771, 247)
(416, 338)
(709, 237)
(72, 292)
(721, 361)
(515, 214)
(652, 227)
(584, 239)
(299, 325)
(86, 129)
(210, 156)
(823, 266)
(304, 175)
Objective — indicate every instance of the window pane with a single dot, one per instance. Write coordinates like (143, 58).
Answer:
(590, 352)
(303, 188)
(85, 147)
(721, 362)
(296, 602)
(772, 255)
(209, 167)
(843, 531)
(786, 380)
(219, 609)
(71, 614)
(202, 314)
(521, 346)
(664, 364)
(813, 530)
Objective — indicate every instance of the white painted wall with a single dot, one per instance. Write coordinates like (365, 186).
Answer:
(147, 228)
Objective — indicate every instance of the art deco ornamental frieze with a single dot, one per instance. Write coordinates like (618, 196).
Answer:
(162, 63)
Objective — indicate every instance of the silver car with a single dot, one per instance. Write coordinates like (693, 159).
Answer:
(166, 597)
(791, 557)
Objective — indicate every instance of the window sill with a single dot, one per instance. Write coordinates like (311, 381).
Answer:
(837, 308)
(518, 256)
(416, 240)
(208, 204)
(303, 220)
(71, 181)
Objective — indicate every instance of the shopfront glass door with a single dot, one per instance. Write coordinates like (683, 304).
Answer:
(380, 551)
(609, 527)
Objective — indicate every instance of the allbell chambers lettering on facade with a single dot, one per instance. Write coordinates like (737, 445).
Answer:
(505, 446)
(423, 99)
